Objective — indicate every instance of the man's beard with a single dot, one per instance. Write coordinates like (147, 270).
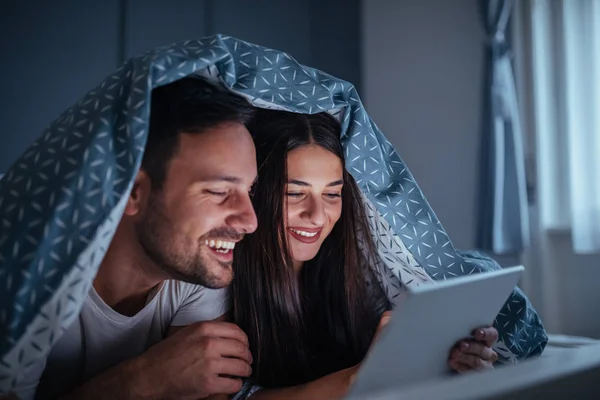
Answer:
(157, 235)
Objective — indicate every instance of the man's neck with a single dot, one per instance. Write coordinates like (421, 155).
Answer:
(126, 276)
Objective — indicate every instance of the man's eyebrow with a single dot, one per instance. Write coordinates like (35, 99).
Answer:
(229, 178)
(306, 184)
(226, 178)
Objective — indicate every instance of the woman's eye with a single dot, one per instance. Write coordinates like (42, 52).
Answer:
(333, 195)
(216, 193)
(294, 194)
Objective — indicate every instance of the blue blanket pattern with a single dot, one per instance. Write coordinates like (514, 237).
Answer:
(61, 201)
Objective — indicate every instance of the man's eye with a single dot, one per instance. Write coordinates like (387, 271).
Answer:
(216, 193)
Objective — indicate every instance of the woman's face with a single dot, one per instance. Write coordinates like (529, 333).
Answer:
(314, 199)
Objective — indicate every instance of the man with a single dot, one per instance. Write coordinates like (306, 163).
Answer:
(152, 325)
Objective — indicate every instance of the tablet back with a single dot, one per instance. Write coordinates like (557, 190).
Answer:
(427, 323)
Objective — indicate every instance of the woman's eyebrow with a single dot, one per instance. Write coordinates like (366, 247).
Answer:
(302, 183)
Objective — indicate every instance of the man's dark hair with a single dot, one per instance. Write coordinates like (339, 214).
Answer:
(189, 105)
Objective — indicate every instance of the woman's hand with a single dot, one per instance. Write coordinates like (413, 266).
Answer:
(383, 321)
(385, 318)
(347, 376)
(332, 386)
(475, 354)
(339, 382)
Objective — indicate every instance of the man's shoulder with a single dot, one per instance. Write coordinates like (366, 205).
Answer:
(184, 289)
(192, 303)
(180, 292)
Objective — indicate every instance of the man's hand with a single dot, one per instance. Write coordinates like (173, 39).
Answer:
(475, 354)
(200, 360)
(197, 361)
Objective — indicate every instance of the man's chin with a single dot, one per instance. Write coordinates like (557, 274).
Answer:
(217, 276)
(221, 278)
(211, 282)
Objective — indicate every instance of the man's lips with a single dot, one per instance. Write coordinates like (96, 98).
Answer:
(221, 248)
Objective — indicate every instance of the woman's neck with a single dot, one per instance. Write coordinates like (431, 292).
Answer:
(297, 266)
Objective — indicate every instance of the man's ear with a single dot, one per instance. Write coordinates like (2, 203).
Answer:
(140, 193)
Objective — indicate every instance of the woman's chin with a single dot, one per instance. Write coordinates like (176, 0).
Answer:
(304, 252)
(305, 257)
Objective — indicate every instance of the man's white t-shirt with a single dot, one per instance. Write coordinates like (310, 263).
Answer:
(101, 338)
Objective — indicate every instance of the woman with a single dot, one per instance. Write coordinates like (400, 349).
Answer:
(306, 291)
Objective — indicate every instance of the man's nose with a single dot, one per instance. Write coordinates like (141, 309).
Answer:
(243, 219)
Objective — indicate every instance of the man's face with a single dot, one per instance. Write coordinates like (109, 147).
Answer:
(190, 226)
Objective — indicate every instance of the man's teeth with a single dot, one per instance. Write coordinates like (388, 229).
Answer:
(304, 233)
(220, 246)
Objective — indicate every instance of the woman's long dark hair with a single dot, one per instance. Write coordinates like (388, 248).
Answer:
(302, 329)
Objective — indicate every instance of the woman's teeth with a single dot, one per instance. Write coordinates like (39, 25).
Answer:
(304, 233)
(221, 246)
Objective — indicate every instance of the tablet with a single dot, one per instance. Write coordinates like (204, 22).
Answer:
(426, 323)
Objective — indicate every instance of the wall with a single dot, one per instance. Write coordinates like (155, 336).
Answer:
(53, 53)
(423, 71)
(50, 54)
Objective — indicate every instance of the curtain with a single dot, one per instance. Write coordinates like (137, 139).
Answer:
(504, 217)
(566, 82)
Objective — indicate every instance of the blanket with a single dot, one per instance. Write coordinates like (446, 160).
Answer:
(61, 201)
